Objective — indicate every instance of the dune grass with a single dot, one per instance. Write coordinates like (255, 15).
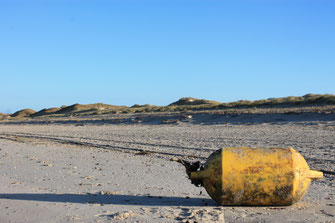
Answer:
(184, 104)
(23, 113)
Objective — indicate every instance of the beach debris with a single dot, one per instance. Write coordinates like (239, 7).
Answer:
(186, 117)
(253, 176)
(46, 164)
(142, 153)
(15, 183)
(122, 215)
(109, 192)
(170, 121)
(88, 177)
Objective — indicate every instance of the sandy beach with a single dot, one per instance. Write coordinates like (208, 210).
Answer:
(120, 111)
(100, 170)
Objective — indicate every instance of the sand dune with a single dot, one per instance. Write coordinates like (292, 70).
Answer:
(309, 102)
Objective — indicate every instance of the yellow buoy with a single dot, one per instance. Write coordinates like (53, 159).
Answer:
(254, 176)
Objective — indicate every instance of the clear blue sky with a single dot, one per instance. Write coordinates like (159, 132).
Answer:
(62, 52)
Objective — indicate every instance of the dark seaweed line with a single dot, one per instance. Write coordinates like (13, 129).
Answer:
(100, 146)
(8, 136)
(320, 160)
(117, 141)
(328, 172)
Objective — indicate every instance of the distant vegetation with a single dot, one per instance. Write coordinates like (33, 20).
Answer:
(183, 104)
(23, 113)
